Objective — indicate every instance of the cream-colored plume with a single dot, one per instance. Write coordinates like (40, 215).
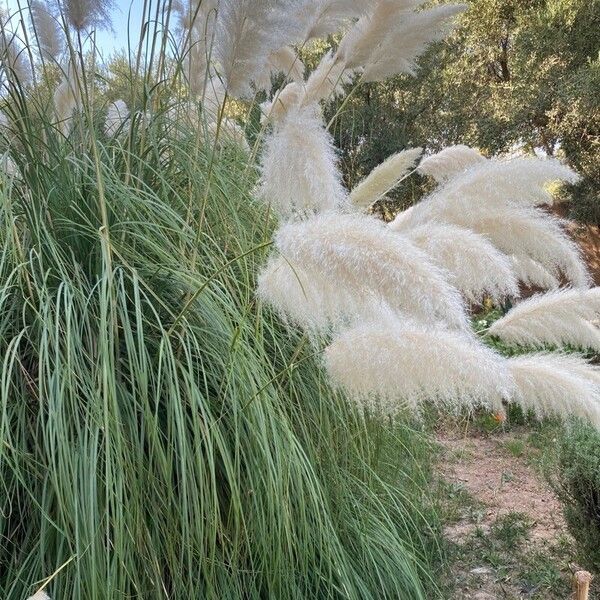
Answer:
(307, 299)
(407, 40)
(359, 253)
(299, 173)
(47, 30)
(390, 363)
(563, 317)
(497, 199)
(476, 267)
(116, 116)
(66, 101)
(40, 595)
(384, 178)
(532, 273)
(372, 30)
(553, 384)
(450, 162)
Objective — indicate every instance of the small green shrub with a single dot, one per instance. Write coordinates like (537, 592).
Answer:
(577, 481)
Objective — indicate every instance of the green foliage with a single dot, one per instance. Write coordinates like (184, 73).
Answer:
(575, 474)
(163, 435)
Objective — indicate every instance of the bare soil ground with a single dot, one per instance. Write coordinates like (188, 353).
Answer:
(505, 528)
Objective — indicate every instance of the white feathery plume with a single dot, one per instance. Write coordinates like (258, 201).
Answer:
(116, 116)
(325, 17)
(361, 254)
(299, 173)
(13, 58)
(307, 299)
(390, 362)
(228, 132)
(286, 99)
(197, 23)
(86, 14)
(371, 31)
(247, 32)
(408, 40)
(39, 595)
(541, 237)
(384, 178)
(476, 267)
(66, 101)
(495, 199)
(562, 317)
(519, 182)
(326, 80)
(516, 182)
(553, 384)
(450, 162)
(286, 61)
(47, 30)
(532, 273)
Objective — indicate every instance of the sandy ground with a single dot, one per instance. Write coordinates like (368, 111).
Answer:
(500, 483)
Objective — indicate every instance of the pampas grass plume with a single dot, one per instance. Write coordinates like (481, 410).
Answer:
(306, 299)
(384, 178)
(475, 266)
(360, 253)
(39, 595)
(47, 30)
(407, 39)
(390, 362)
(450, 162)
(562, 317)
(556, 385)
(116, 116)
(299, 173)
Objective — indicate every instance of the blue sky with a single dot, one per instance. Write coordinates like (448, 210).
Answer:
(108, 42)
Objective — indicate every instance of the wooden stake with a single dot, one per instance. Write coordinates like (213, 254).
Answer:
(581, 585)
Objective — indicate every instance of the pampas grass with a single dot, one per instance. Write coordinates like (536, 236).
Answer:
(247, 33)
(83, 15)
(384, 178)
(41, 595)
(450, 162)
(556, 385)
(361, 254)
(66, 100)
(563, 317)
(398, 52)
(299, 174)
(475, 266)
(497, 199)
(372, 30)
(532, 273)
(308, 299)
(47, 30)
(116, 116)
(392, 363)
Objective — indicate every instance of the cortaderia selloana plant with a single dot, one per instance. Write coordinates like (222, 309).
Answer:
(392, 301)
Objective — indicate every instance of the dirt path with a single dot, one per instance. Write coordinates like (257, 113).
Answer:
(505, 527)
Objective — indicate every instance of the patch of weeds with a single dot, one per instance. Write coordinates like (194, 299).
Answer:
(511, 530)
(540, 574)
(457, 503)
(515, 447)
